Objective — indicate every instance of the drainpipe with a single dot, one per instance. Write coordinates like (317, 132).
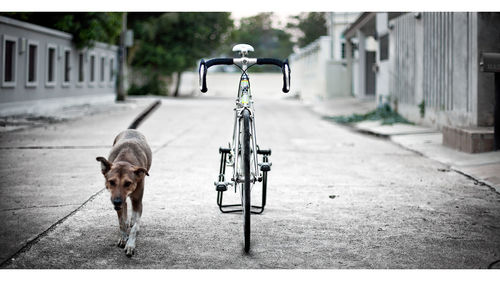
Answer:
(348, 54)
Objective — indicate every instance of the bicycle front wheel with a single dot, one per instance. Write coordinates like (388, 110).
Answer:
(245, 190)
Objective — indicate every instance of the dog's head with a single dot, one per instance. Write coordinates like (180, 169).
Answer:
(121, 179)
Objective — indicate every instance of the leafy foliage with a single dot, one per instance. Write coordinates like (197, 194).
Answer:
(310, 25)
(266, 40)
(170, 43)
(421, 107)
(153, 85)
(174, 42)
(86, 28)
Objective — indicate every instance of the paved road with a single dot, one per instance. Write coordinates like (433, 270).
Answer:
(336, 198)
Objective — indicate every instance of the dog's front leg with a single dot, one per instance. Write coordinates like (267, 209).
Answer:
(122, 220)
(134, 222)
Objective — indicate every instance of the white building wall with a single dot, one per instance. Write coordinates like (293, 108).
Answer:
(309, 70)
(361, 65)
(337, 78)
(21, 91)
(432, 73)
(356, 90)
(338, 22)
(383, 74)
(436, 62)
(318, 70)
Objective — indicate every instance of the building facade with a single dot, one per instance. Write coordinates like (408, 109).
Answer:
(319, 68)
(427, 66)
(39, 63)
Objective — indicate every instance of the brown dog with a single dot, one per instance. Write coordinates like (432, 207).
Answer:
(127, 165)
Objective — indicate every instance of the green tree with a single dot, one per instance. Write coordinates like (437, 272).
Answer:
(310, 25)
(173, 42)
(86, 27)
(266, 40)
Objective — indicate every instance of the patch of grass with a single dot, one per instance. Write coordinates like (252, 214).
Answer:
(421, 107)
(383, 113)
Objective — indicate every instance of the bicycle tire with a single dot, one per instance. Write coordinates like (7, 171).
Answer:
(246, 184)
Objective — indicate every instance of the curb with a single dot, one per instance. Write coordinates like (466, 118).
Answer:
(352, 126)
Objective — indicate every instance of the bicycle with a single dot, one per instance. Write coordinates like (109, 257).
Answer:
(242, 153)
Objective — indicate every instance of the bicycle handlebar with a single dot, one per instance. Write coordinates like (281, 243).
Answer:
(276, 62)
(205, 65)
(226, 61)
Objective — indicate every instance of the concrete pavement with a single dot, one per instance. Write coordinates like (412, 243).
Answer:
(482, 167)
(336, 198)
(47, 173)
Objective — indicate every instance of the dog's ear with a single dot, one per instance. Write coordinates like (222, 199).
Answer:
(105, 164)
(140, 170)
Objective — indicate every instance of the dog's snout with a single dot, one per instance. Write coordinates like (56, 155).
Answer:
(117, 202)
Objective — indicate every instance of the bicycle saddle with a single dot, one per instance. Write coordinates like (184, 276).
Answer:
(243, 49)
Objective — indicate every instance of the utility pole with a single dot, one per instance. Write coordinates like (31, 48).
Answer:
(121, 95)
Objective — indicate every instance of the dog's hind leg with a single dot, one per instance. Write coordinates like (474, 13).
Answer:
(134, 222)
(122, 220)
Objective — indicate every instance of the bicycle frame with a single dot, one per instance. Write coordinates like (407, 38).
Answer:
(243, 149)
(243, 102)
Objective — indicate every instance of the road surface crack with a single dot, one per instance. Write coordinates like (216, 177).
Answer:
(36, 206)
(57, 147)
(35, 240)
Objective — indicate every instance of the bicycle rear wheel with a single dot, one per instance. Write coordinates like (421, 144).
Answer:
(245, 190)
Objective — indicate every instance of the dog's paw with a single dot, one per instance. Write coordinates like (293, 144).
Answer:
(122, 242)
(129, 249)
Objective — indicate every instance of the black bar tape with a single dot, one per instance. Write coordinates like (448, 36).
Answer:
(229, 61)
(206, 65)
(212, 62)
(279, 63)
(284, 89)
(203, 79)
(276, 62)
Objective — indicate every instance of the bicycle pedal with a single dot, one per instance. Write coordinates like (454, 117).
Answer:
(265, 167)
(264, 151)
(221, 186)
(224, 150)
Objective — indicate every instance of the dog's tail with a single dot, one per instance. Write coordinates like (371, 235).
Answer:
(139, 119)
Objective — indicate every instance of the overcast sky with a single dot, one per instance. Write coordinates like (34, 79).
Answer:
(280, 18)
